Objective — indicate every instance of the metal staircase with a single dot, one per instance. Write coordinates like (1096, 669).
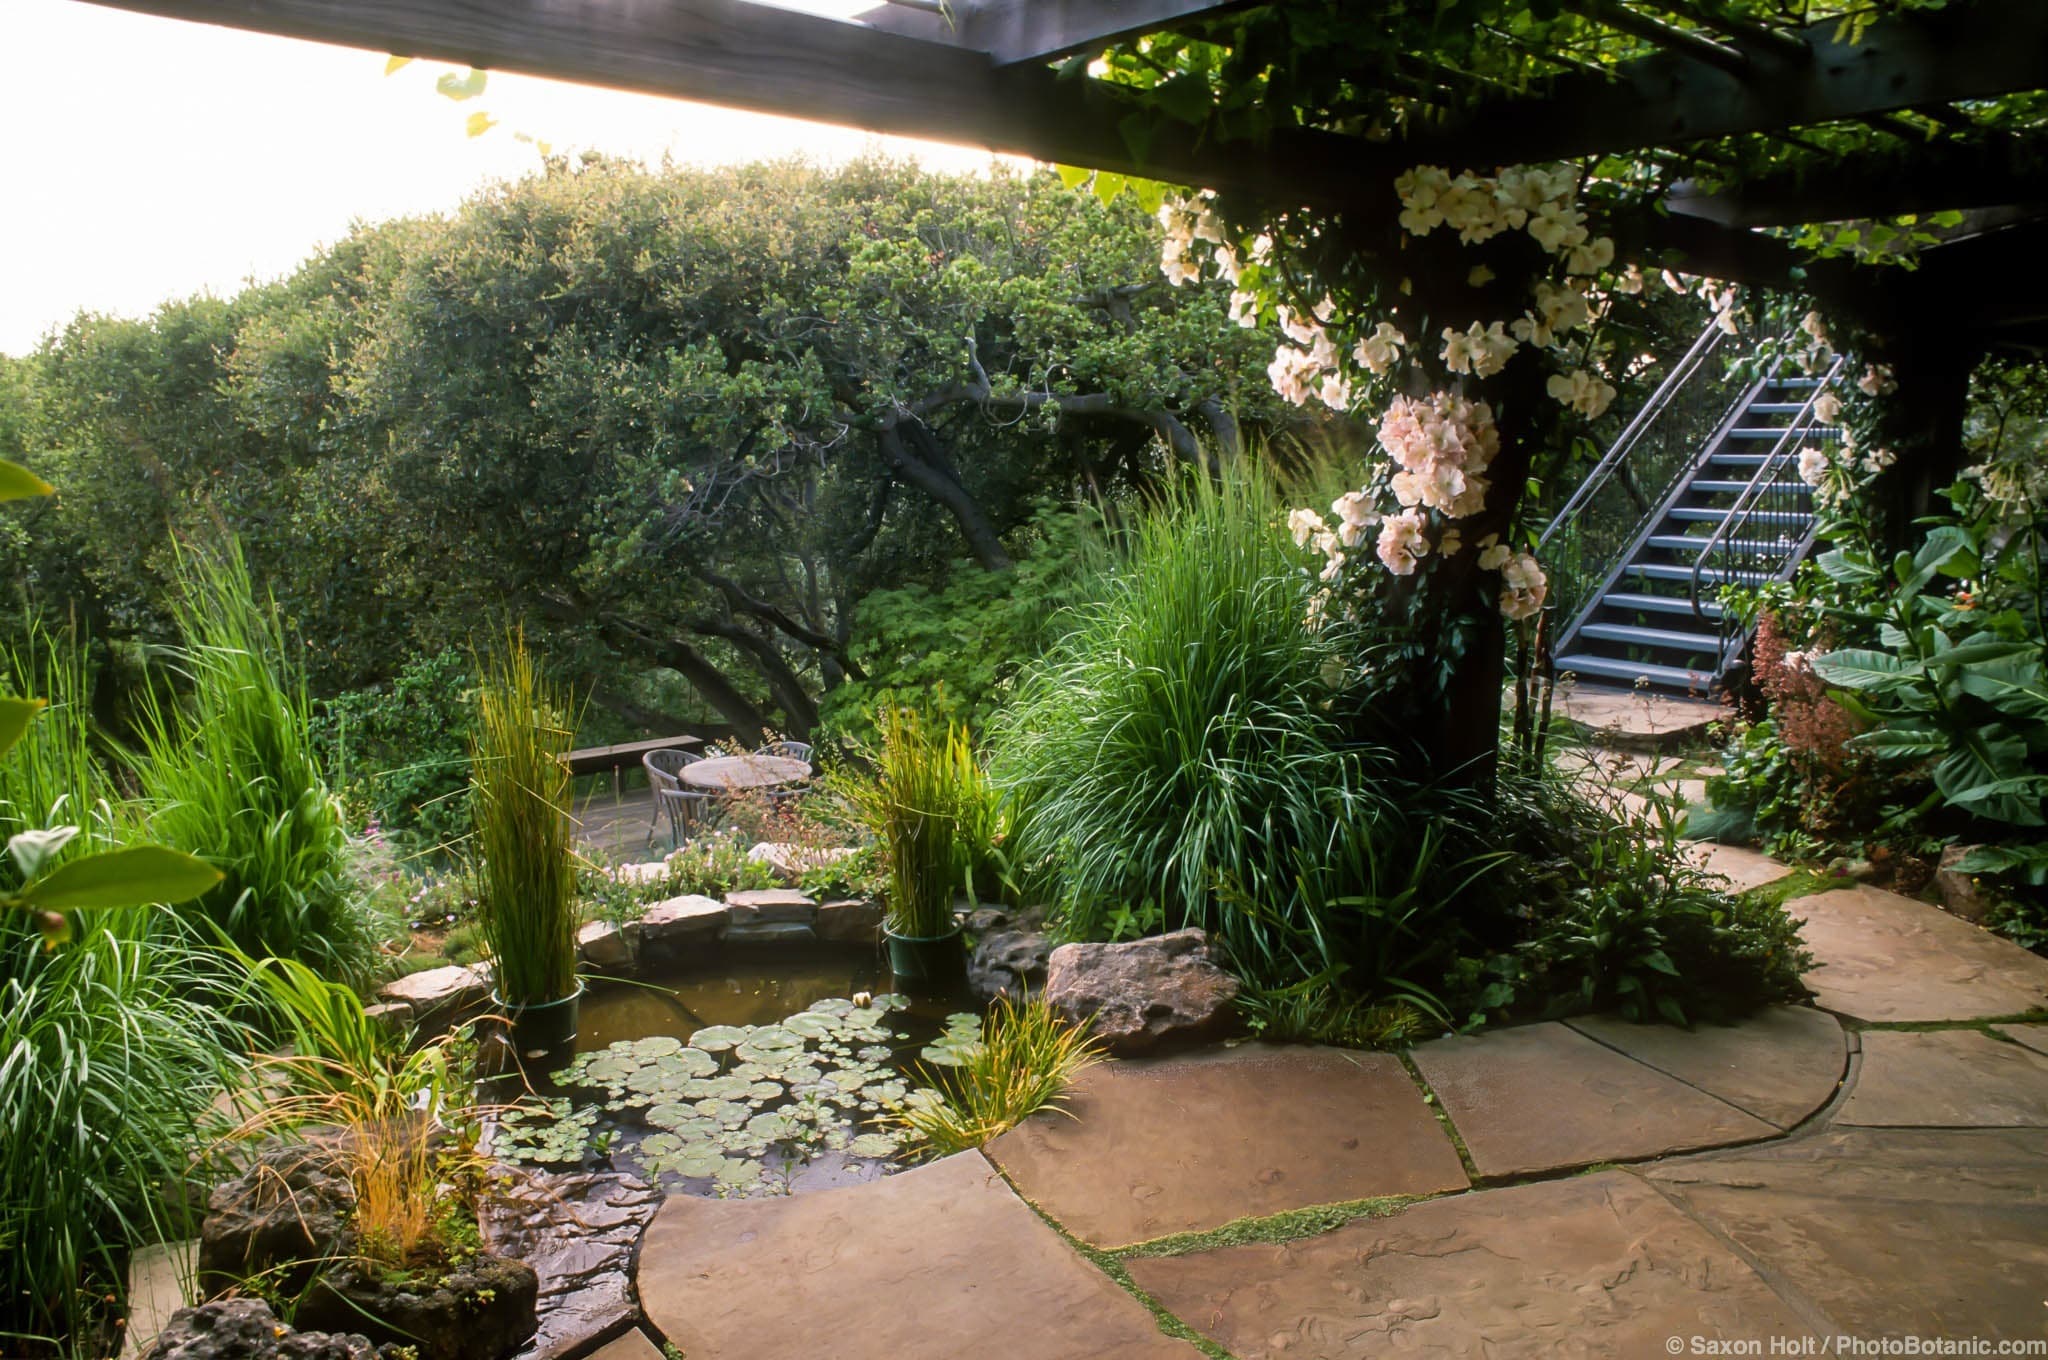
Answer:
(1731, 509)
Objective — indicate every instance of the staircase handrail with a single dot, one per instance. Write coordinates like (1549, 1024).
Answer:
(1766, 476)
(1709, 340)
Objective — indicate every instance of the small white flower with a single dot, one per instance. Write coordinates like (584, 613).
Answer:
(1591, 257)
(1304, 525)
(1827, 408)
(1813, 466)
(1814, 325)
(1380, 351)
(1582, 391)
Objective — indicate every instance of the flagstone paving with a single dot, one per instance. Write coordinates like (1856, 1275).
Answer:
(1545, 1097)
(1781, 1064)
(1889, 958)
(1956, 1078)
(1596, 1266)
(1797, 1175)
(1148, 1148)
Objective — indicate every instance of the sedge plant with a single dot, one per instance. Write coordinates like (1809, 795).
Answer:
(1025, 1061)
(923, 803)
(522, 854)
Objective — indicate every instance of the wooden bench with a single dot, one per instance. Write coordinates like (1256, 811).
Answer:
(626, 755)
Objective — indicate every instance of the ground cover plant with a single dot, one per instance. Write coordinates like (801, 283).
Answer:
(1018, 1059)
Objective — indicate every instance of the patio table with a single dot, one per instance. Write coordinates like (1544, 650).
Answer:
(733, 774)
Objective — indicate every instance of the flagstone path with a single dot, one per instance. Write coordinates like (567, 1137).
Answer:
(1588, 1188)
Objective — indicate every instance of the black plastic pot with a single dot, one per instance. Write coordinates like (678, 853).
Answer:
(542, 1026)
(927, 960)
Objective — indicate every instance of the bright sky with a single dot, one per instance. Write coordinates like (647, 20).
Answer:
(153, 159)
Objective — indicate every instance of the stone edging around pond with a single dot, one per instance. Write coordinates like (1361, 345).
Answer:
(668, 933)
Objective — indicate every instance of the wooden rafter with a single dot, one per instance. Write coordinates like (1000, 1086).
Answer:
(1930, 178)
(1041, 29)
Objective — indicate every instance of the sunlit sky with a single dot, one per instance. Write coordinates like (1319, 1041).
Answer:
(151, 159)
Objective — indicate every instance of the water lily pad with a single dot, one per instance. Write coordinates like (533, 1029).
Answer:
(812, 1025)
(766, 1090)
(831, 1005)
(739, 1175)
(876, 1053)
(873, 1145)
(655, 1046)
(773, 1127)
(718, 1038)
(890, 1001)
(770, 1043)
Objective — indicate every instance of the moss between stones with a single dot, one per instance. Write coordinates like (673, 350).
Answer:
(1443, 1117)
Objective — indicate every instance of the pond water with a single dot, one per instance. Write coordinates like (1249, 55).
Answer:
(772, 1071)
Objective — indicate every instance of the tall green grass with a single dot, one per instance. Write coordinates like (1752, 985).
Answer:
(929, 805)
(108, 1048)
(230, 774)
(1174, 758)
(523, 853)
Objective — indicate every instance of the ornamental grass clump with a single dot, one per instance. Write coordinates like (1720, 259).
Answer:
(924, 803)
(522, 851)
(231, 775)
(1025, 1061)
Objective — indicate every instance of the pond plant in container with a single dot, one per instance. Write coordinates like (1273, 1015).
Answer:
(522, 856)
(926, 783)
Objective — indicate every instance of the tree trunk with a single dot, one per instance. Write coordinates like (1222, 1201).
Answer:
(980, 535)
(1925, 421)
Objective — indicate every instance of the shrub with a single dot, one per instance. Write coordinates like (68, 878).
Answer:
(522, 852)
(1026, 1058)
(232, 777)
(1173, 757)
(402, 752)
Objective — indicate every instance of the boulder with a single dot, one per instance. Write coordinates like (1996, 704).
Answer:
(395, 1016)
(1009, 962)
(579, 1232)
(1964, 895)
(760, 906)
(246, 1329)
(1142, 994)
(479, 1310)
(680, 929)
(439, 994)
(279, 1218)
(855, 920)
(604, 944)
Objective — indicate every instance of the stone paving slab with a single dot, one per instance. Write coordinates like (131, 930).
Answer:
(1171, 1145)
(1742, 867)
(1595, 1265)
(1955, 1078)
(159, 1280)
(939, 1261)
(1890, 1231)
(1637, 720)
(1781, 1064)
(1544, 1097)
(2033, 1036)
(634, 1345)
(1889, 958)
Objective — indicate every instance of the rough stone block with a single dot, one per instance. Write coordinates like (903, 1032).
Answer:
(850, 921)
(761, 906)
(771, 932)
(439, 994)
(605, 945)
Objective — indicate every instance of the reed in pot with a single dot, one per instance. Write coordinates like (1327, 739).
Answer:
(522, 853)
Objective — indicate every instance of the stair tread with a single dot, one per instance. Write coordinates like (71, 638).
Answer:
(1674, 571)
(1721, 487)
(1712, 512)
(1687, 543)
(1668, 638)
(1820, 432)
(1675, 677)
(1658, 604)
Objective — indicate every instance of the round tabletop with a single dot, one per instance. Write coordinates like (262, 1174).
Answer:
(745, 772)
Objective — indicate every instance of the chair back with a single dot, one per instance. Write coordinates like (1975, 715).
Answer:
(665, 768)
(789, 750)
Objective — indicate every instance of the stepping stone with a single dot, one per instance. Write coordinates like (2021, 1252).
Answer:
(1592, 1266)
(1947, 1079)
(1888, 958)
(2033, 1036)
(1543, 1097)
(940, 1260)
(1743, 868)
(1889, 1231)
(634, 1345)
(159, 1284)
(1638, 721)
(1781, 1064)
(1171, 1145)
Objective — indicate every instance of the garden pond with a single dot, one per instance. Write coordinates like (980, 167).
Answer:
(770, 1072)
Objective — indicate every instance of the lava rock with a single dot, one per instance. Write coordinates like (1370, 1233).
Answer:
(579, 1232)
(1964, 895)
(1009, 963)
(280, 1218)
(480, 1310)
(1144, 993)
(246, 1329)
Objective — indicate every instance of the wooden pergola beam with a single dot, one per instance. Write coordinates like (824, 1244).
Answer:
(1930, 178)
(1041, 29)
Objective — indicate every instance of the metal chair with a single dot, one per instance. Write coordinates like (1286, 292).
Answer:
(788, 750)
(685, 808)
(664, 774)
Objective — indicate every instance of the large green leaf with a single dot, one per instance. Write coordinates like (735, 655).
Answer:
(1903, 742)
(1848, 567)
(15, 716)
(134, 877)
(1862, 668)
(18, 483)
